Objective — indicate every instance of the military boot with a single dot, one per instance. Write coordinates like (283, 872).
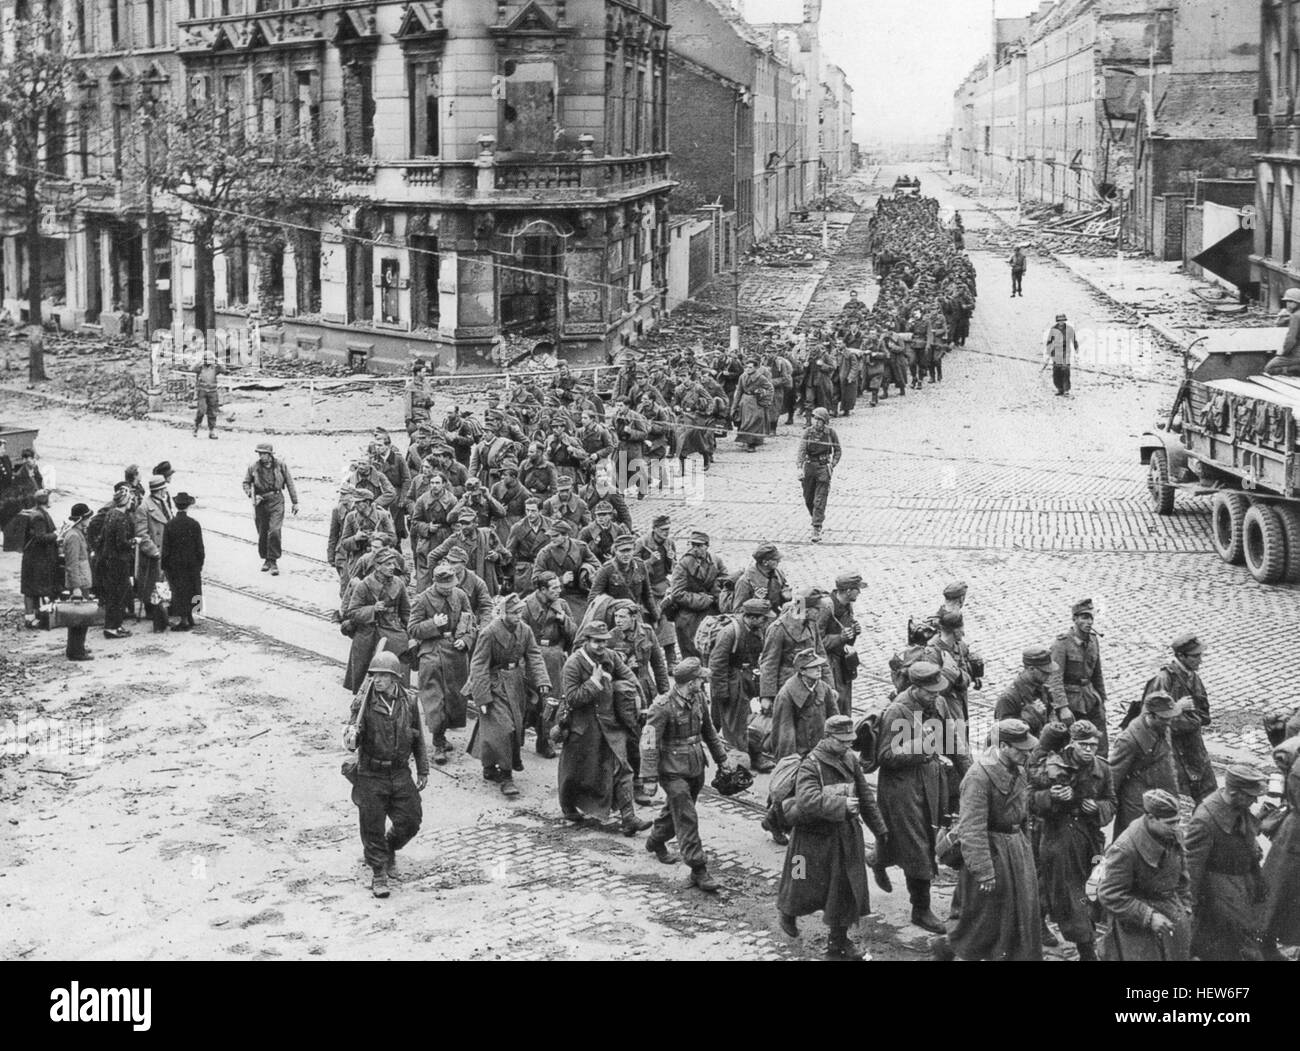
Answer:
(928, 921)
(661, 853)
(379, 884)
(640, 795)
(633, 824)
(700, 878)
(839, 947)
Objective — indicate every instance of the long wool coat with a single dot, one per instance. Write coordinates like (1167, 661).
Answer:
(1145, 872)
(1227, 886)
(602, 721)
(506, 665)
(444, 669)
(825, 864)
(40, 565)
(912, 787)
(1141, 759)
(1006, 924)
(1282, 865)
(182, 561)
(371, 626)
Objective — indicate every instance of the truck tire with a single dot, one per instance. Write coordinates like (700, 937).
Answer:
(1290, 518)
(1158, 483)
(1227, 516)
(1264, 544)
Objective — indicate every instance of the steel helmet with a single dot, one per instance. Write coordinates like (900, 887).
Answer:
(1291, 295)
(383, 661)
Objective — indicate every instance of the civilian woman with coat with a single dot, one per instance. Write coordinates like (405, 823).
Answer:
(76, 576)
(182, 561)
(40, 566)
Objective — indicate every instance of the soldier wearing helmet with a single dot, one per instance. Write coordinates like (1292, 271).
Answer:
(1287, 363)
(386, 729)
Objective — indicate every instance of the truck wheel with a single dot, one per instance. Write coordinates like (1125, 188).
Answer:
(1290, 518)
(1159, 485)
(1264, 544)
(1227, 516)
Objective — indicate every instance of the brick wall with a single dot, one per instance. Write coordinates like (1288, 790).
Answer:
(702, 135)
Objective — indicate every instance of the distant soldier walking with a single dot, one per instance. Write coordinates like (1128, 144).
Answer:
(819, 454)
(1062, 344)
(205, 390)
(264, 483)
(1018, 263)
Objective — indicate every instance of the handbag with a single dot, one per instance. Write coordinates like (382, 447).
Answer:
(75, 614)
(947, 848)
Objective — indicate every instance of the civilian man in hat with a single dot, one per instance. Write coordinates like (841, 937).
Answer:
(802, 707)
(733, 670)
(182, 561)
(567, 506)
(825, 863)
(165, 472)
(603, 532)
(1027, 697)
(1181, 679)
(1143, 758)
(207, 394)
(265, 482)
(442, 624)
(77, 576)
(1226, 885)
(794, 630)
(1076, 683)
(546, 612)
(114, 562)
(376, 608)
(525, 540)
(763, 579)
(677, 731)
(657, 550)
(626, 577)
(1144, 887)
(912, 788)
(506, 667)
(1062, 345)
(482, 548)
(150, 519)
(995, 913)
(818, 455)
(601, 694)
(840, 630)
(1074, 798)
(386, 729)
(696, 582)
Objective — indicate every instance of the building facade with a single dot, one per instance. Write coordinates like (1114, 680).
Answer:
(835, 123)
(518, 179)
(1273, 262)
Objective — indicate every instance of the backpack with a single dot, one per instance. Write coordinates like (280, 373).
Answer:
(901, 661)
(920, 632)
(781, 785)
(707, 634)
(866, 741)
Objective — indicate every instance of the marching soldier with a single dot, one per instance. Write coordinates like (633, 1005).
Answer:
(818, 456)
(696, 583)
(442, 622)
(264, 484)
(1076, 683)
(839, 630)
(672, 753)
(386, 729)
(733, 671)
(763, 579)
(546, 612)
(1143, 758)
(1027, 698)
(1181, 679)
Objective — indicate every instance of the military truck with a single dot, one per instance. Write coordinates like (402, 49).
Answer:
(1232, 432)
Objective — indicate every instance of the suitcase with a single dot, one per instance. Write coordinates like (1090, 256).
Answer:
(71, 614)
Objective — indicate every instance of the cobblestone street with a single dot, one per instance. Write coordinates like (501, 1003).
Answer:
(1036, 501)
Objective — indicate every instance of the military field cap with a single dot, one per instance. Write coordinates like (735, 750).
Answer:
(1159, 803)
(473, 483)
(1244, 778)
(264, 447)
(443, 449)
(923, 673)
(444, 572)
(766, 551)
(1036, 656)
(955, 589)
(1083, 730)
(562, 525)
(1060, 317)
(950, 618)
(1187, 643)
(1081, 607)
(1158, 701)
(808, 659)
(512, 603)
(362, 493)
(699, 536)
(660, 520)
(687, 670)
(755, 607)
(604, 508)
(509, 465)
(466, 516)
(565, 482)
(157, 482)
(596, 630)
(387, 556)
(821, 414)
(840, 726)
(347, 489)
(848, 581)
(1015, 732)
(458, 554)
(624, 543)
(544, 579)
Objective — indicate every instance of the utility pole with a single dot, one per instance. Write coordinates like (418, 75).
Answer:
(151, 309)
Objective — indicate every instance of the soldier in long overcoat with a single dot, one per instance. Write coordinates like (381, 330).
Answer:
(443, 623)
(995, 911)
(792, 632)
(694, 587)
(1144, 887)
(1282, 865)
(825, 862)
(802, 707)
(1074, 798)
(1143, 758)
(506, 665)
(912, 787)
(376, 607)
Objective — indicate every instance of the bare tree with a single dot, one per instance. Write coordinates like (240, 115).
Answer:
(34, 80)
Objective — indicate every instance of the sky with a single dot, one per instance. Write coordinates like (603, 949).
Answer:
(904, 58)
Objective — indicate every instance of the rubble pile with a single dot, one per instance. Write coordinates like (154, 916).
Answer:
(837, 201)
(791, 249)
(300, 368)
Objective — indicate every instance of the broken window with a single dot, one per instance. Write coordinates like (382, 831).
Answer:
(307, 260)
(529, 113)
(423, 95)
(268, 110)
(425, 310)
(307, 111)
(358, 109)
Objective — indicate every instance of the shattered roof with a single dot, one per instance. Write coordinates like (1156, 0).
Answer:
(1208, 106)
